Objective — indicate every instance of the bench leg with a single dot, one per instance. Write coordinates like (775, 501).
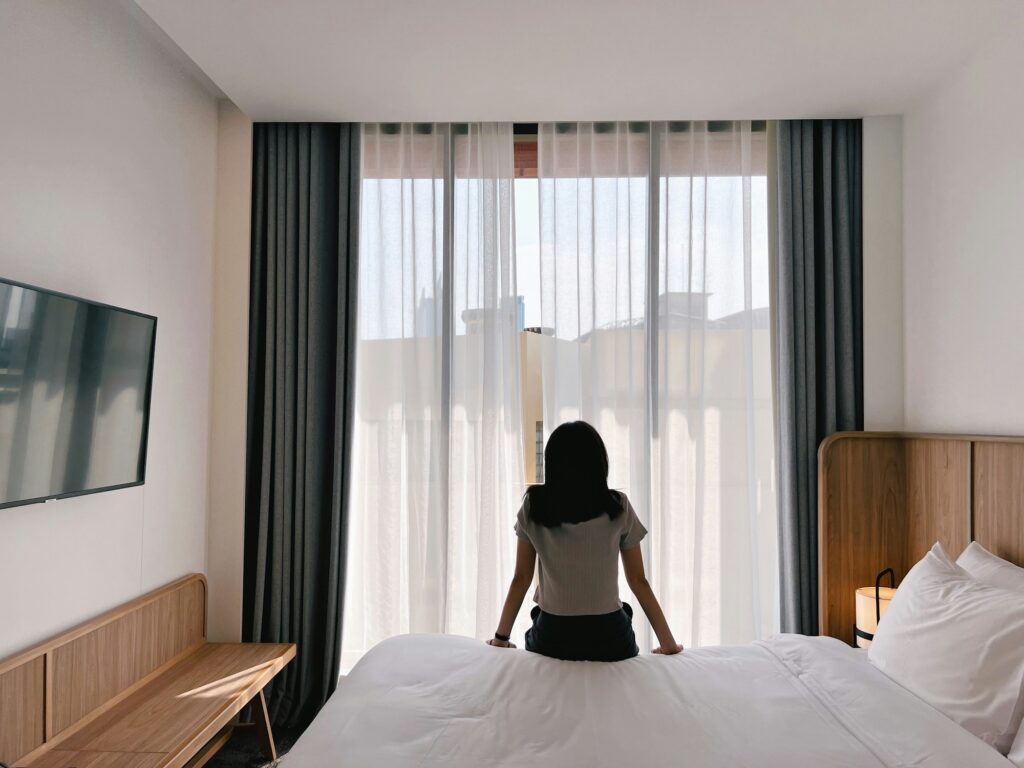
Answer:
(212, 747)
(261, 719)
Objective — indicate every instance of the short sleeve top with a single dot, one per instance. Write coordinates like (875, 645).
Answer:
(578, 563)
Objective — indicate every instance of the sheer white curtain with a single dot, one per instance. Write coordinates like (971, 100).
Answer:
(654, 298)
(438, 441)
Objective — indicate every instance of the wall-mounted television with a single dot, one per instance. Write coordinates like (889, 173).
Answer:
(75, 384)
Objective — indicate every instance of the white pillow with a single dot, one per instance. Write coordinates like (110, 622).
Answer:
(957, 644)
(986, 567)
(993, 570)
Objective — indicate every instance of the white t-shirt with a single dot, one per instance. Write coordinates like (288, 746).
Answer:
(578, 563)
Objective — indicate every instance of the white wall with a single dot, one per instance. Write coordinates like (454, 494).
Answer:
(226, 537)
(964, 251)
(883, 273)
(121, 180)
(107, 163)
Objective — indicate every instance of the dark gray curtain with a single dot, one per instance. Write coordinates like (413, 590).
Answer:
(302, 314)
(819, 342)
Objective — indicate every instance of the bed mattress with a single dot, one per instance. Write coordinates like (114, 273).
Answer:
(436, 700)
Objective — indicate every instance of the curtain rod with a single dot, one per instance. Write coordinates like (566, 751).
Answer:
(675, 126)
(530, 129)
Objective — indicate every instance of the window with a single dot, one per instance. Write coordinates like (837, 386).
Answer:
(662, 343)
(634, 294)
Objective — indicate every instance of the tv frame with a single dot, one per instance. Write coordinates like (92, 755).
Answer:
(144, 456)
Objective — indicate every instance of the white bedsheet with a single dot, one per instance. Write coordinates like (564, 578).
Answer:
(434, 700)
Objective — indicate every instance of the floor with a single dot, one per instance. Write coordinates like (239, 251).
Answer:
(243, 750)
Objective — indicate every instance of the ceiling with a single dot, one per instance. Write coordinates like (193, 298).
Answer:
(529, 60)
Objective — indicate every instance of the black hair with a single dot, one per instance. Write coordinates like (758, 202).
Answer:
(575, 487)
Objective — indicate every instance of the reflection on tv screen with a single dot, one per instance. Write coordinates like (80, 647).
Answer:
(74, 394)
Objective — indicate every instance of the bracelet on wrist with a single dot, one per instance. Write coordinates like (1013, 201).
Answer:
(503, 638)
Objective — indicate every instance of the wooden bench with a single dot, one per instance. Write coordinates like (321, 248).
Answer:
(138, 687)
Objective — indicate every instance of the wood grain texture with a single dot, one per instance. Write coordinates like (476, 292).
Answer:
(22, 708)
(93, 665)
(998, 490)
(182, 709)
(69, 758)
(264, 732)
(94, 668)
(196, 580)
(885, 498)
(938, 497)
(138, 687)
(862, 489)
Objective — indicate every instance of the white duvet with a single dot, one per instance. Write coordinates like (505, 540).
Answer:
(435, 700)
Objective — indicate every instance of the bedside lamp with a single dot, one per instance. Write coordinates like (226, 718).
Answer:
(872, 603)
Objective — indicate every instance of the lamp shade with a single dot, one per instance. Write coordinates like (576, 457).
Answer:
(868, 612)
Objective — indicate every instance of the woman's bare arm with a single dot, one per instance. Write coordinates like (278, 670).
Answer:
(633, 565)
(526, 560)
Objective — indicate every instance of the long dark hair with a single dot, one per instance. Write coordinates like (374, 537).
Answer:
(575, 485)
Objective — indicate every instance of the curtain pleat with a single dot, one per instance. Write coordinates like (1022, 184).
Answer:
(438, 439)
(819, 319)
(654, 285)
(654, 299)
(300, 409)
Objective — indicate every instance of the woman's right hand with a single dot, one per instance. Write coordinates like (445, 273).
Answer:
(495, 642)
(669, 650)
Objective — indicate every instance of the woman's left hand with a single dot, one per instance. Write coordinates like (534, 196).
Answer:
(668, 650)
(500, 643)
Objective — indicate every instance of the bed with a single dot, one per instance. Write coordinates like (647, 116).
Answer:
(434, 700)
(425, 700)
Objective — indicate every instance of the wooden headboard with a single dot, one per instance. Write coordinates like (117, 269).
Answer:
(884, 498)
(61, 684)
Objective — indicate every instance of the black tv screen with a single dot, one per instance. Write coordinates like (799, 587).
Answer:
(75, 381)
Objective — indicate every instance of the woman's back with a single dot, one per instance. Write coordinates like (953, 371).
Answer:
(578, 570)
(578, 530)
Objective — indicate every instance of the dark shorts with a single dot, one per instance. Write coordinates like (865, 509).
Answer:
(607, 637)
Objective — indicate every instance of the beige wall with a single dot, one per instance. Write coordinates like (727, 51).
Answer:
(964, 261)
(229, 373)
(883, 272)
(107, 158)
(131, 185)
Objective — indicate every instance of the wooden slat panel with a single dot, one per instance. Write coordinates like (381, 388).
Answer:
(93, 669)
(22, 692)
(884, 500)
(169, 626)
(97, 666)
(938, 503)
(862, 528)
(194, 581)
(156, 637)
(192, 614)
(998, 489)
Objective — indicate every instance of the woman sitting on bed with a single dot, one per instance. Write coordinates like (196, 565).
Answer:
(579, 529)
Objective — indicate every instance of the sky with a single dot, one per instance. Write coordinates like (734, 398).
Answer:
(401, 245)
